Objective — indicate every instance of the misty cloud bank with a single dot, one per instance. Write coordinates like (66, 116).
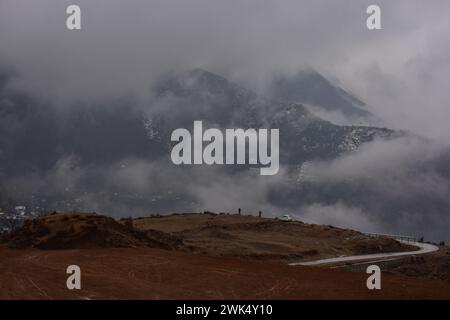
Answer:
(400, 71)
(380, 188)
(123, 51)
(400, 185)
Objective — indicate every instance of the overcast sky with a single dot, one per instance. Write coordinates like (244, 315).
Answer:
(401, 71)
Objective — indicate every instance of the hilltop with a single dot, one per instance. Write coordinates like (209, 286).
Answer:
(209, 234)
(264, 238)
(84, 231)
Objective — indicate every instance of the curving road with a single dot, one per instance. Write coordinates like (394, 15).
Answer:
(423, 249)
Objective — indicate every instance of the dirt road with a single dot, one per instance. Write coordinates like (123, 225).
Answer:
(424, 248)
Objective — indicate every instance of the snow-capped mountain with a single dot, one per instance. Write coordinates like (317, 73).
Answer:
(201, 95)
(35, 135)
(322, 97)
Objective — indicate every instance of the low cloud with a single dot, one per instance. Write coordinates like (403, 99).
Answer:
(399, 186)
(338, 215)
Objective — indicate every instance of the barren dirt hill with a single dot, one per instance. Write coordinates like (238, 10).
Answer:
(209, 234)
(125, 260)
(265, 238)
(85, 231)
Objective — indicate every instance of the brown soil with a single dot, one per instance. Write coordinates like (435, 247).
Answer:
(145, 273)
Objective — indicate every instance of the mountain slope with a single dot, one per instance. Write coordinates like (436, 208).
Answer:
(321, 96)
(218, 102)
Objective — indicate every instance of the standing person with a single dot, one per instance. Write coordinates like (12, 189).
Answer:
(239, 211)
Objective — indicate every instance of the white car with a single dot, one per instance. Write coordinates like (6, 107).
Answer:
(286, 217)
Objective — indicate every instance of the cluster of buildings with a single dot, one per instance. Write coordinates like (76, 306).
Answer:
(14, 217)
